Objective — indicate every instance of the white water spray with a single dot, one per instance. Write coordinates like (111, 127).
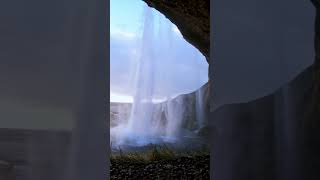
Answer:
(139, 127)
(174, 114)
(151, 122)
(200, 109)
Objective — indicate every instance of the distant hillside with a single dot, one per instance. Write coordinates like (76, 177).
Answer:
(120, 112)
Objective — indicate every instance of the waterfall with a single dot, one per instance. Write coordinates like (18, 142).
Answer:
(199, 101)
(141, 127)
(200, 110)
(174, 116)
(152, 121)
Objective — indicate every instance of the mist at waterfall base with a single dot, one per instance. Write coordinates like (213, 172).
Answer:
(156, 114)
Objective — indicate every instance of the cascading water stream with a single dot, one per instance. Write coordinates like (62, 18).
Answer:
(144, 125)
(140, 122)
(151, 121)
(200, 114)
(199, 102)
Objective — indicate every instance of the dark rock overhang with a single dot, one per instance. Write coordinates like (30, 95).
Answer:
(192, 17)
(317, 30)
(315, 123)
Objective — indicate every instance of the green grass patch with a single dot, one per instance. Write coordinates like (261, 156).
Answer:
(155, 153)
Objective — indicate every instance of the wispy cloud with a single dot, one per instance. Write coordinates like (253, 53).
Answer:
(119, 33)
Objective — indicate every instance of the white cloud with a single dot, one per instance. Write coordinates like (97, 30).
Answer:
(122, 34)
(116, 97)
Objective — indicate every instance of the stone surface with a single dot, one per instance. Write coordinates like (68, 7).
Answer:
(192, 19)
(186, 168)
(121, 111)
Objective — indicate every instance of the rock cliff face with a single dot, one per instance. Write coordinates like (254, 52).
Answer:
(192, 17)
(187, 106)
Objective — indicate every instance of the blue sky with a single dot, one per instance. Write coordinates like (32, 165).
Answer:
(178, 67)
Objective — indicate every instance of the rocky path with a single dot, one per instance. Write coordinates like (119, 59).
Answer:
(182, 168)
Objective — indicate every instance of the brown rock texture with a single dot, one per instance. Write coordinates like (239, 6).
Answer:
(121, 111)
(192, 17)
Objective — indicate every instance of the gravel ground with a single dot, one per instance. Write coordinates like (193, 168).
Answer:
(182, 168)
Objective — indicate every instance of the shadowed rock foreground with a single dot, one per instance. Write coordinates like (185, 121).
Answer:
(193, 168)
